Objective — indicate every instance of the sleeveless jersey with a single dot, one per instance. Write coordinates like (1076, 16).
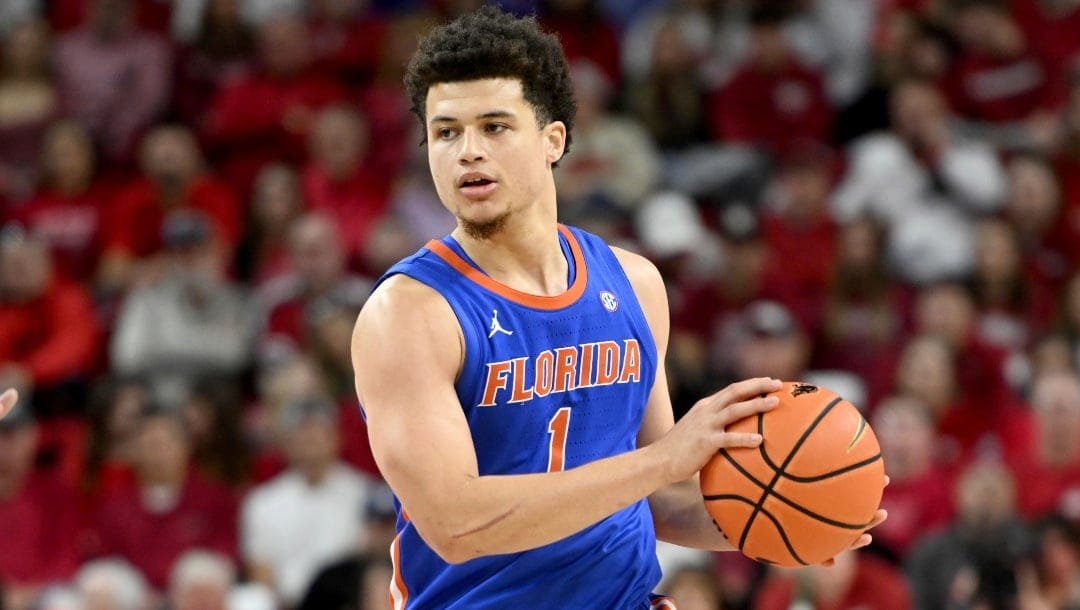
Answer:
(548, 383)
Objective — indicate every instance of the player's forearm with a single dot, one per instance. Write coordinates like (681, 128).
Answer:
(679, 517)
(512, 513)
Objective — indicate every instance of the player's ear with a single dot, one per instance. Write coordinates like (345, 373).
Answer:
(555, 141)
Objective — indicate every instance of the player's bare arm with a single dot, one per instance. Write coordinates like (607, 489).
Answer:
(7, 401)
(679, 514)
(407, 352)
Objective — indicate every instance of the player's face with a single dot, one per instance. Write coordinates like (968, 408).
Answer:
(488, 156)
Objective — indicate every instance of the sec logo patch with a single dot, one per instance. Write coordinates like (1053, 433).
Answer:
(609, 300)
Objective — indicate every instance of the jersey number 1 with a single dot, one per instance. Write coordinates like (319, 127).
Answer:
(557, 427)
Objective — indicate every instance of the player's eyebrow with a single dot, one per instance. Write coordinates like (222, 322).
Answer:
(492, 114)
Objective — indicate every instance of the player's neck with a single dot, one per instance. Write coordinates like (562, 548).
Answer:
(524, 255)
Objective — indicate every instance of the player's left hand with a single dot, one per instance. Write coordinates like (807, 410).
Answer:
(880, 515)
(7, 401)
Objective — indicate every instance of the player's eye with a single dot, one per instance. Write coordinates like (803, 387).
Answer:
(494, 127)
(444, 133)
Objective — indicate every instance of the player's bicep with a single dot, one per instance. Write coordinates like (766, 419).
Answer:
(406, 354)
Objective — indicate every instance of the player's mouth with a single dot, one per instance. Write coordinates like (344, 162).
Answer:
(476, 186)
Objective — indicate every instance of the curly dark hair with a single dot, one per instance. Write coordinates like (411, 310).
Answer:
(490, 43)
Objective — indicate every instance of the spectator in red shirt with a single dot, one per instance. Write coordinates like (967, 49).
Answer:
(394, 129)
(1051, 27)
(218, 51)
(173, 178)
(1069, 315)
(1049, 479)
(799, 231)
(170, 509)
(116, 408)
(583, 32)
(276, 201)
(947, 310)
(36, 515)
(997, 77)
(49, 333)
(1067, 164)
(114, 76)
(212, 416)
(267, 114)
(340, 182)
(970, 422)
(318, 275)
(707, 308)
(857, 580)
(862, 317)
(68, 14)
(919, 494)
(1034, 208)
(1011, 307)
(773, 100)
(29, 101)
(71, 209)
(346, 39)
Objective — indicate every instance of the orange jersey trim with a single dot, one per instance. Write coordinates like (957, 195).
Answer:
(399, 593)
(572, 294)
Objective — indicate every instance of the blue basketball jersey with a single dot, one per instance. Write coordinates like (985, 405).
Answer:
(548, 383)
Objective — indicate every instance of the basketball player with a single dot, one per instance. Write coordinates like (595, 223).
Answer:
(7, 401)
(511, 372)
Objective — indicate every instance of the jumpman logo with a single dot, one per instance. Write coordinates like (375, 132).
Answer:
(496, 327)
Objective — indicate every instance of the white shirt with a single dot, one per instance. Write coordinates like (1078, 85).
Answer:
(296, 528)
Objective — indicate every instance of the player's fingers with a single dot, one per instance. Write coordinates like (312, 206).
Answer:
(746, 408)
(862, 541)
(739, 439)
(879, 515)
(887, 480)
(747, 388)
(7, 401)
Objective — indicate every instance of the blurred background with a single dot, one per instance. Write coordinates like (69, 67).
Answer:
(880, 196)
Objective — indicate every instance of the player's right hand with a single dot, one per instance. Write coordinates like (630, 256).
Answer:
(7, 401)
(703, 430)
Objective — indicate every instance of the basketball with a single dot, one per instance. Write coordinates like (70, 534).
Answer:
(808, 491)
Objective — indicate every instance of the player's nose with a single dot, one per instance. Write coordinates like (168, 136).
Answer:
(471, 146)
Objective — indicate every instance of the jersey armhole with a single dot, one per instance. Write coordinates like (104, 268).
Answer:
(463, 341)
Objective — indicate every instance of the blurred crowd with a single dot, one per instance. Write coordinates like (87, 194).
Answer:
(880, 196)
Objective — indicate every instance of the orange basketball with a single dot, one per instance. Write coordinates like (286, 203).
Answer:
(808, 491)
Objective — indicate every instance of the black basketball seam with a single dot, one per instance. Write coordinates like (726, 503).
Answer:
(775, 521)
(780, 472)
(792, 503)
(811, 479)
(834, 473)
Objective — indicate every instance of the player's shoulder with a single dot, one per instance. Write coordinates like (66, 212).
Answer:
(642, 272)
(404, 300)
